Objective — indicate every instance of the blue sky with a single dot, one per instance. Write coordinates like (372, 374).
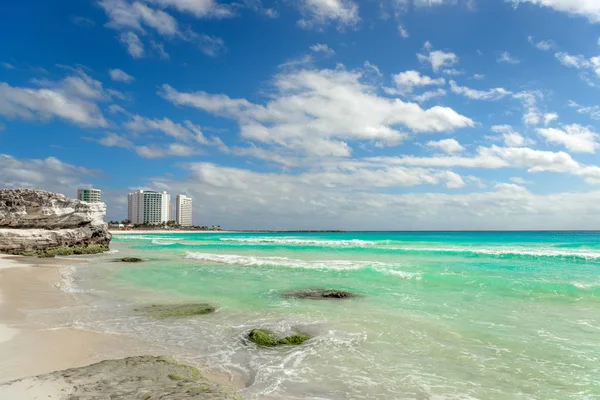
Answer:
(345, 114)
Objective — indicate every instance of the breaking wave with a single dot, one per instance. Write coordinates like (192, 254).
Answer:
(302, 242)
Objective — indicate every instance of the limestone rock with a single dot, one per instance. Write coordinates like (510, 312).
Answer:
(319, 294)
(35, 221)
(142, 377)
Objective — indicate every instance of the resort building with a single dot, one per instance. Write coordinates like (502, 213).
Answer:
(184, 210)
(89, 195)
(148, 207)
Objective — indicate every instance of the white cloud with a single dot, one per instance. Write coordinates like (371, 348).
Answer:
(592, 111)
(322, 48)
(505, 57)
(408, 80)
(403, 32)
(532, 115)
(449, 146)
(431, 94)
(549, 118)
(188, 132)
(83, 22)
(120, 76)
(543, 45)
(73, 99)
(320, 12)
(7, 65)
(134, 45)
(210, 45)
(491, 94)
(520, 181)
(452, 71)
(245, 199)
(113, 140)
(160, 50)
(478, 76)
(327, 105)
(198, 8)
(126, 15)
(438, 59)
(49, 173)
(575, 138)
(510, 137)
(585, 8)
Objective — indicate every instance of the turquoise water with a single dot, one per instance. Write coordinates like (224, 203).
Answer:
(487, 315)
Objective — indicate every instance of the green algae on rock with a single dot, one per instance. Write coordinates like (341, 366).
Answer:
(142, 377)
(319, 294)
(176, 310)
(263, 337)
(131, 260)
(66, 251)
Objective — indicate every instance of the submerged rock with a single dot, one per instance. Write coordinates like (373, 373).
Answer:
(131, 260)
(319, 294)
(40, 223)
(143, 377)
(176, 310)
(263, 337)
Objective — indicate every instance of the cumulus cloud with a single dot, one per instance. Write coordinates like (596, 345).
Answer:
(436, 58)
(322, 48)
(134, 45)
(198, 8)
(446, 145)
(592, 111)
(491, 94)
(510, 137)
(73, 99)
(543, 45)
(431, 94)
(585, 8)
(505, 57)
(575, 138)
(49, 173)
(406, 81)
(317, 13)
(120, 76)
(330, 106)
(403, 32)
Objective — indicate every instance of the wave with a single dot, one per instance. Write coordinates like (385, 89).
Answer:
(305, 242)
(502, 252)
(337, 265)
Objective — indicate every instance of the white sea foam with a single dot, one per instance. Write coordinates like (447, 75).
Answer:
(162, 242)
(67, 281)
(507, 251)
(302, 242)
(338, 265)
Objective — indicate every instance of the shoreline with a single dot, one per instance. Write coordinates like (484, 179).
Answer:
(31, 346)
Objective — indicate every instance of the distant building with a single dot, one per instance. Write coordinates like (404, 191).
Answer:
(89, 195)
(171, 211)
(184, 210)
(148, 207)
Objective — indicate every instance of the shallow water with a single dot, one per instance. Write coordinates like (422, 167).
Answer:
(499, 315)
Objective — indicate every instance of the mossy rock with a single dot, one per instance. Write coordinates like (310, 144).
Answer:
(263, 337)
(66, 251)
(319, 294)
(131, 260)
(176, 310)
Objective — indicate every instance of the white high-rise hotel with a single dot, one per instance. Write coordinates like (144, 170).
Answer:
(184, 210)
(148, 207)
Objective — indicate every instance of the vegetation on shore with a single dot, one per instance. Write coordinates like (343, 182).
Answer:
(175, 310)
(66, 251)
(263, 337)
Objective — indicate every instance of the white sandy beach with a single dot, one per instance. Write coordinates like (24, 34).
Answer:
(30, 347)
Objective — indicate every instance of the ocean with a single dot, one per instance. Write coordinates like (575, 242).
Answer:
(441, 315)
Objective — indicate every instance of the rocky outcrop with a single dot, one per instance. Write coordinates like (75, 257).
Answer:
(142, 377)
(319, 294)
(36, 222)
(264, 337)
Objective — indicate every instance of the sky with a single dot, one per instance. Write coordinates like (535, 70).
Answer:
(311, 114)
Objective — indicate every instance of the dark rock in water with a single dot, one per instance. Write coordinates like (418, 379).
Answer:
(176, 310)
(319, 294)
(131, 260)
(263, 337)
(143, 377)
(40, 223)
